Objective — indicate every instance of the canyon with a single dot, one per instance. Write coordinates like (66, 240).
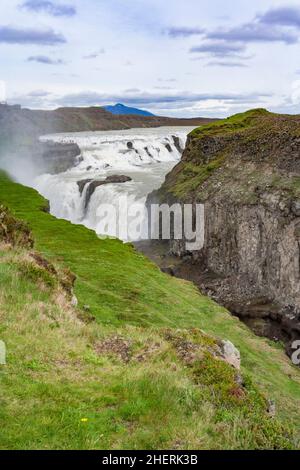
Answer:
(246, 172)
(100, 320)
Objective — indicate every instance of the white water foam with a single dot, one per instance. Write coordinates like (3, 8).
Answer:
(146, 155)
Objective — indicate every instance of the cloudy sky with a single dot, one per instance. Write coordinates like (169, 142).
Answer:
(172, 57)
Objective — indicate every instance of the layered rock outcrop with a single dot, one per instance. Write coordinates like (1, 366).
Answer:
(55, 157)
(92, 185)
(246, 172)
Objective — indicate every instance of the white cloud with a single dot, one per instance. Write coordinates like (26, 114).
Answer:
(102, 37)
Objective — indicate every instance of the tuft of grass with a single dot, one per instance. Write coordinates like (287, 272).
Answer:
(232, 124)
(193, 176)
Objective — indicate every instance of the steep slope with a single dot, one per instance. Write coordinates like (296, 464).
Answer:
(246, 170)
(144, 359)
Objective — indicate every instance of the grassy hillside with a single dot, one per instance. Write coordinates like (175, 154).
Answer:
(71, 382)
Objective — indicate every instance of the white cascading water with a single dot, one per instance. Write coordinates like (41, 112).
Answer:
(145, 155)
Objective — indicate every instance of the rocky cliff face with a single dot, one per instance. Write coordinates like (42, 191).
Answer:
(54, 157)
(246, 171)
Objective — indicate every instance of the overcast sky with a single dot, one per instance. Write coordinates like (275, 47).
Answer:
(172, 57)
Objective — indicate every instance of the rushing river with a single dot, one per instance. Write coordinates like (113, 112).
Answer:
(144, 155)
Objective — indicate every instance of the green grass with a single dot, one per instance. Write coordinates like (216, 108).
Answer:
(226, 151)
(193, 176)
(117, 283)
(202, 157)
(232, 124)
(55, 378)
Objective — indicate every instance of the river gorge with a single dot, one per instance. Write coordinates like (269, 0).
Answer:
(143, 156)
(126, 168)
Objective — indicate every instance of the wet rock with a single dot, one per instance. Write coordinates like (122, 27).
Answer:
(176, 141)
(148, 152)
(117, 179)
(169, 148)
(94, 184)
(56, 157)
(81, 184)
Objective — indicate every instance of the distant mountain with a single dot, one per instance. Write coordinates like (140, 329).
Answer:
(121, 109)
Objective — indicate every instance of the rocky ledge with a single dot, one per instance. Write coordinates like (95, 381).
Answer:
(246, 172)
(56, 157)
(92, 185)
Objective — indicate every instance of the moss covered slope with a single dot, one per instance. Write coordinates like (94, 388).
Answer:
(75, 383)
(238, 157)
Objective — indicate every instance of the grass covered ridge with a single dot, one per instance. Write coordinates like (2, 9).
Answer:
(236, 123)
(110, 383)
(256, 145)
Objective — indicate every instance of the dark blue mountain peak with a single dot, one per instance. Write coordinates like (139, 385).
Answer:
(121, 109)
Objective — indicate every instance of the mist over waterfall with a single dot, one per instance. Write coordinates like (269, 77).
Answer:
(145, 156)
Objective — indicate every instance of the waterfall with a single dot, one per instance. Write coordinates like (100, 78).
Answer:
(145, 156)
